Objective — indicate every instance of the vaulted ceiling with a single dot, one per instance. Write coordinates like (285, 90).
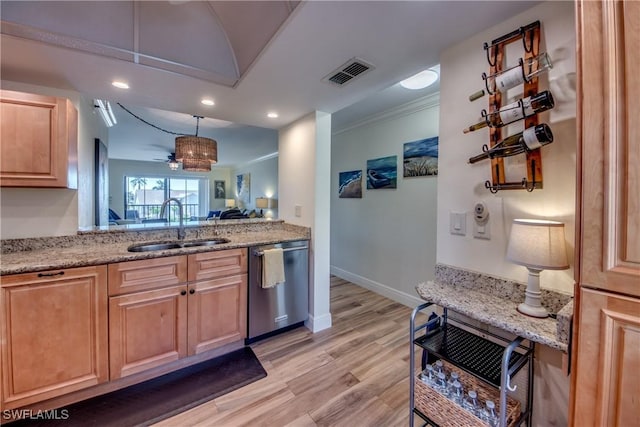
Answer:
(251, 57)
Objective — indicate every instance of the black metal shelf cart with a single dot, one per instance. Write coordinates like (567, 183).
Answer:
(495, 361)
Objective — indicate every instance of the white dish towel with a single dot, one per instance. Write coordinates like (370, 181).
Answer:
(272, 268)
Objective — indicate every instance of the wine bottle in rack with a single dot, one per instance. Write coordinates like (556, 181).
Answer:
(518, 110)
(513, 76)
(527, 140)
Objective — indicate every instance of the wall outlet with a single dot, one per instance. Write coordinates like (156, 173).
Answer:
(482, 231)
(458, 223)
(298, 211)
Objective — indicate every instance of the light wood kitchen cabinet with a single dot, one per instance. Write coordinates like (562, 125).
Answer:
(147, 314)
(606, 362)
(147, 329)
(38, 141)
(217, 299)
(217, 312)
(53, 334)
(156, 316)
(147, 274)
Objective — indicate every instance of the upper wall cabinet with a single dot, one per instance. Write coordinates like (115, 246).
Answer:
(38, 141)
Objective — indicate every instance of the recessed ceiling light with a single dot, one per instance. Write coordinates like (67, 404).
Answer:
(272, 115)
(207, 101)
(120, 84)
(421, 80)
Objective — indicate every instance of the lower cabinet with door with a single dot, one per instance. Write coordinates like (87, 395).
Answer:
(53, 334)
(157, 316)
(66, 331)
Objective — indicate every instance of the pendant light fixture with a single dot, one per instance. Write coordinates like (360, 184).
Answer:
(196, 153)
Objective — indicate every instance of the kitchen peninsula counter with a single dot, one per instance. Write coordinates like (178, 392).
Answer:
(494, 302)
(104, 245)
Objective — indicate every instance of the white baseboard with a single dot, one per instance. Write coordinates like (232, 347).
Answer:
(384, 290)
(319, 323)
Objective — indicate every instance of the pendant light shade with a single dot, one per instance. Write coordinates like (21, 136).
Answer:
(198, 149)
(196, 165)
(196, 153)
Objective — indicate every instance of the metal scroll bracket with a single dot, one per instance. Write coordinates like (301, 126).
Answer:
(524, 184)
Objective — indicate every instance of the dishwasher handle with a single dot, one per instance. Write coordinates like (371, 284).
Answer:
(297, 248)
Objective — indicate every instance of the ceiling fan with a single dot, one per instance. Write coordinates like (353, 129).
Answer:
(171, 161)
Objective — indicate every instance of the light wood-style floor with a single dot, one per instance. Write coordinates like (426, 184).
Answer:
(354, 374)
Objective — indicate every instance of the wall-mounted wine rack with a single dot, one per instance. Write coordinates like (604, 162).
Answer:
(530, 37)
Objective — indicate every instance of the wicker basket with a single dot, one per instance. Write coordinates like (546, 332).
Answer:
(446, 413)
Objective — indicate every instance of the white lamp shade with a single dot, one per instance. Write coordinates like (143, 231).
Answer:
(229, 203)
(538, 244)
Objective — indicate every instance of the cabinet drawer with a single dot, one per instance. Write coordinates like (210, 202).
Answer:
(212, 265)
(133, 276)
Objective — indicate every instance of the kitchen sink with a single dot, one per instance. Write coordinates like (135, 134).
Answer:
(162, 246)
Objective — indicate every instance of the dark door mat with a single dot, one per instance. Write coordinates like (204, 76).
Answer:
(157, 399)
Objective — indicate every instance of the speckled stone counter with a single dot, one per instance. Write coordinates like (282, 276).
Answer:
(109, 245)
(494, 302)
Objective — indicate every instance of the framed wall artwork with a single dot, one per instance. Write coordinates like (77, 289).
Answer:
(382, 173)
(350, 185)
(101, 183)
(421, 157)
(219, 189)
(243, 190)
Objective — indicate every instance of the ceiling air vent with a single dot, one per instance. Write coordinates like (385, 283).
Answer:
(347, 72)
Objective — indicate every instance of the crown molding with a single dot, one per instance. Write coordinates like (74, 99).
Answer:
(412, 107)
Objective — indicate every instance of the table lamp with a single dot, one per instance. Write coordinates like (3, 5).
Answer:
(262, 203)
(230, 203)
(537, 245)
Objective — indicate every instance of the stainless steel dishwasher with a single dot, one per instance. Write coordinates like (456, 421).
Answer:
(286, 305)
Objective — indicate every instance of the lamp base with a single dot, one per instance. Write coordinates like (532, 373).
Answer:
(531, 305)
(539, 312)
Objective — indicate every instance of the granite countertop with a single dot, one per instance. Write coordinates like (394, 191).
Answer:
(494, 302)
(31, 255)
(493, 311)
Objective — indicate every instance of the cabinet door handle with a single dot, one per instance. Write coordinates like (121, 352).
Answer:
(192, 291)
(183, 292)
(59, 273)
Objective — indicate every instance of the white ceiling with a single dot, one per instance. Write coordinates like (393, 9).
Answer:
(250, 57)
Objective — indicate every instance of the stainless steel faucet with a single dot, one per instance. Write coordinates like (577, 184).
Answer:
(181, 232)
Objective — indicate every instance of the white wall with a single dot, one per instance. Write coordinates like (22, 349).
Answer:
(303, 184)
(119, 168)
(461, 185)
(385, 241)
(38, 212)
(264, 182)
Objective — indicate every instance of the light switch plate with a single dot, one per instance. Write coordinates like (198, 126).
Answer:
(458, 223)
(298, 210)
